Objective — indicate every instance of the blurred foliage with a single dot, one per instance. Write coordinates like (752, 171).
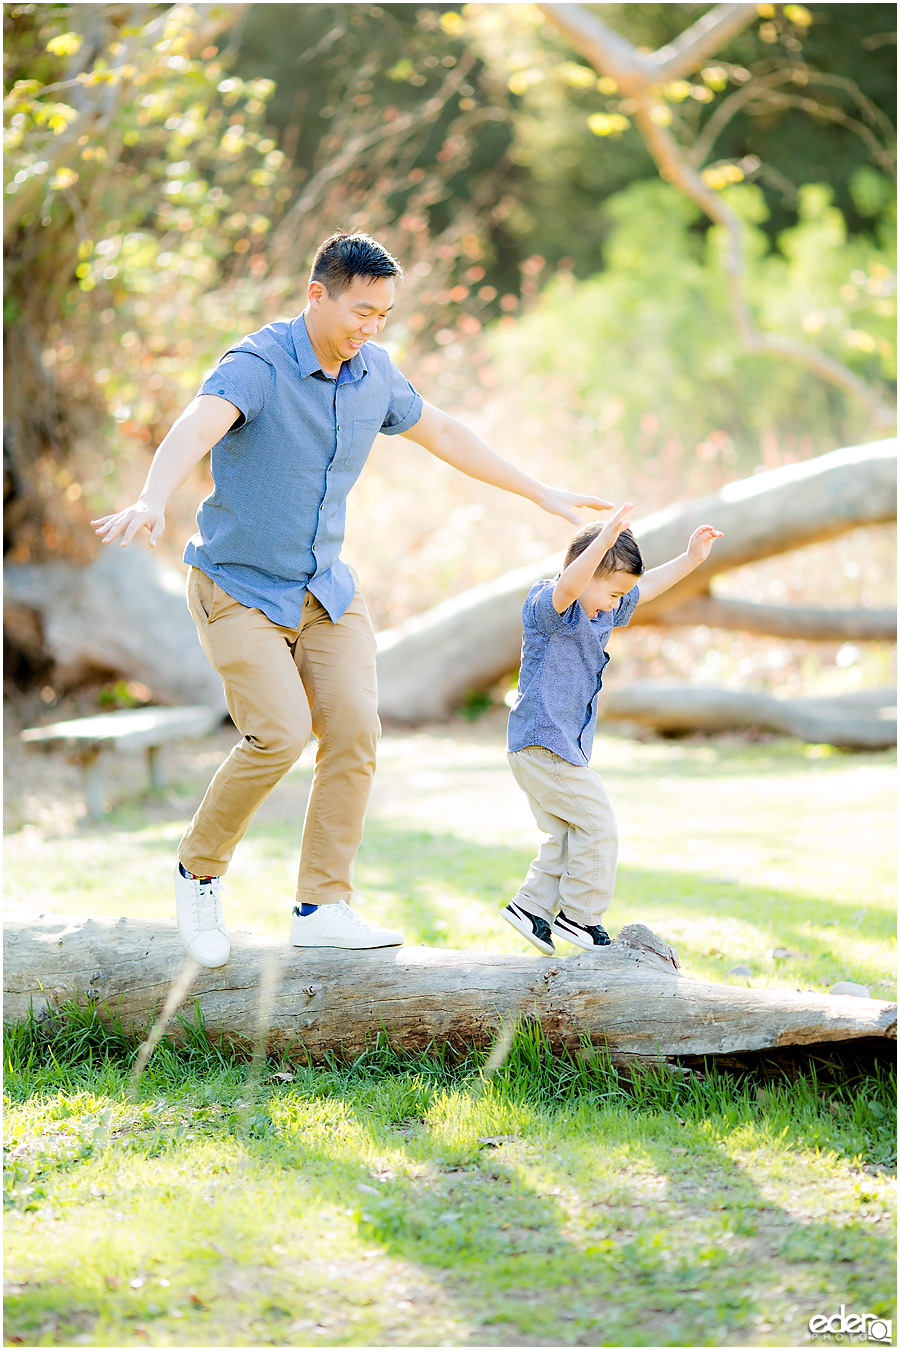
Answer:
(549, 139)
(138, 176)
(805, 94)
(170, 170)
(647, 351)
(392, 124)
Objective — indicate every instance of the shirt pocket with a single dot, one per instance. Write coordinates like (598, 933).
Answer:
(365, 429)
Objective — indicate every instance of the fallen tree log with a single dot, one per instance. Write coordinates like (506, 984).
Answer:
(866, 720)
(124, 615)
(790, 621)
(629, 997)
(428, 665)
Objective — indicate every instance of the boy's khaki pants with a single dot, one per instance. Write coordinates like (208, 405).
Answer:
(576, 868)
(281, 684)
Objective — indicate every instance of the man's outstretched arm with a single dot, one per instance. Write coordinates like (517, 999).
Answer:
(455, 444)
(203, 422)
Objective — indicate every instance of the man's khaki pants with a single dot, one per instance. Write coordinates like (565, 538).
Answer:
(576, 868)
(281, 684)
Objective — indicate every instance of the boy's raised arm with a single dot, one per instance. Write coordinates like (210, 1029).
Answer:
(576, 576)
(659, 579)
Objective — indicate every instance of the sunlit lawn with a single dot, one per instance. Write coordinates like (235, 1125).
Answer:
(729, 850)
(409, 1203)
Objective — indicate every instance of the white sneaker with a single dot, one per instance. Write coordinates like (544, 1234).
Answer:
(338, 926)
(201, 923)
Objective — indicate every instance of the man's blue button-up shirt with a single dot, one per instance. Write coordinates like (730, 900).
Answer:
(563, 658)
(274, 523)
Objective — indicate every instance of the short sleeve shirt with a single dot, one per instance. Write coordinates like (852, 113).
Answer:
(563, 659)
(273, 525)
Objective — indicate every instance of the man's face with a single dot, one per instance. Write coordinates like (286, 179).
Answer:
(339, 327)
(604, 593)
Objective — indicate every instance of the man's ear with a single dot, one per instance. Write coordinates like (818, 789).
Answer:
(316, 292)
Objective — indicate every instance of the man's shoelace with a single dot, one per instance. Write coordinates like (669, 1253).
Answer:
(207, 906)
(351, 914)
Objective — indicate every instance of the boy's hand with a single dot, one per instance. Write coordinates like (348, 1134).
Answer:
(617, 522)
(574, 578)
(701, 541)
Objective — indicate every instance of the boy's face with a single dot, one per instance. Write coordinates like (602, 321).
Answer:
(604, 592)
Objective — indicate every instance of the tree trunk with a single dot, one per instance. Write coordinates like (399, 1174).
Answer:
(866, 720)
(307, 1002)
(428, 665)
(123, 615)
(790, 621)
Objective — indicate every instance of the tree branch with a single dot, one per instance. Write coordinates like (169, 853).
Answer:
(790, 621)
(634, 71)
(704, 38)
(636, 75)
(852, 721)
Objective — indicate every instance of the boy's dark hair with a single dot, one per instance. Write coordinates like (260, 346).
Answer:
(344, 256)
(624, 556)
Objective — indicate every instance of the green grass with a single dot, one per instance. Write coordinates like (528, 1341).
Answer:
(728, 850)
(425, 1200)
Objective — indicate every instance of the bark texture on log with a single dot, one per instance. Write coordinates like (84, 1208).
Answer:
(124, 613)
(629, 997)
(428, 665)
(863, 721)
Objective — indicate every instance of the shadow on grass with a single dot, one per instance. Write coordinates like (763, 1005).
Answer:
(531, 1238)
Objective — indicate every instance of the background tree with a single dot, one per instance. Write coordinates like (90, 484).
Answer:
(509, 176)
(651, 83)
(136, 172)
(839, 121)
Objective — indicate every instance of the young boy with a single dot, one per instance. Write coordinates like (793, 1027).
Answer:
(567, 624)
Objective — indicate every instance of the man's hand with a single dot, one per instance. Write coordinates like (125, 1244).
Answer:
(701, 541)
(561, 503)
(204, 422)
(448, 439)
(128, 522)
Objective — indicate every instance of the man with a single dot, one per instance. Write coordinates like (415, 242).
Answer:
(290, 414)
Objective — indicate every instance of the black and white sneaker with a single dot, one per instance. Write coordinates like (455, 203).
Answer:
(589, 935)
(531, 926)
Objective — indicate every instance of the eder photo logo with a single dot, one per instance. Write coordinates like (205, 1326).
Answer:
(853, 1326)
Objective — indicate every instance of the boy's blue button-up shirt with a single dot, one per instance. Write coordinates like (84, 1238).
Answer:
(274, 523)
(563, 658)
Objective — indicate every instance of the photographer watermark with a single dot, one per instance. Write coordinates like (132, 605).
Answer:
(853, 1326)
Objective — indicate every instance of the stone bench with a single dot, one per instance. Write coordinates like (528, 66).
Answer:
(127, 732)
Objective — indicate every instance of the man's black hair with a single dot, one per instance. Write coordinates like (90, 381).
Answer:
(344, 256)
(624, 556)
